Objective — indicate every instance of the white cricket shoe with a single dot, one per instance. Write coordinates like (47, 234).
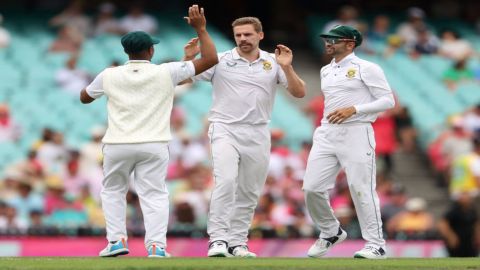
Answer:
(241, 251)
(323, 245)
(114, 249)
(218, 248)
(370, 252)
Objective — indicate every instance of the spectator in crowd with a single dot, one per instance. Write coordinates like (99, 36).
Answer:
(458, 73)
(465, 172)
(25, 202)
(54, 195)
(396, 204)
(315, 108)
(53, 154)
(68, 40)
(193, 152)
(412, 223)
(72, 79)
(92, 208)
(31, 170)
(407, 31)
(36, 226)
(347, 15)
(453, 47)
(137, 20)
(384, 130)
(426, 43)
(460, 228)
(73, 180)
(195, 191)
(71, 215)
(91, 158)
(458, 141)
(380, 29)
(184, 219)
(106, 22)
(10, 223)
(471, 120)
(406, 132)
(91, 153)
(73, 17)
(4, 35)
(10, 131)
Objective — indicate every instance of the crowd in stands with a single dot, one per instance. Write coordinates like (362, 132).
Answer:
(55, 188)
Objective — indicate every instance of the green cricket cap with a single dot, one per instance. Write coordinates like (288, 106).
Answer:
(344, 31)
(137, 41)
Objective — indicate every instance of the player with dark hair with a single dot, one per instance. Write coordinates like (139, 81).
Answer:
(140, 100)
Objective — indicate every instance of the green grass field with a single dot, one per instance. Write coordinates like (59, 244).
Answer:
(62, 263)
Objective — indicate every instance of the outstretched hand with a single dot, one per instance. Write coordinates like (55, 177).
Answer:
(283, 55)
(191, 49)
(196, 17)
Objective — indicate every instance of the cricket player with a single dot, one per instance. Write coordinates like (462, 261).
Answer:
(140, 100)
(355, 92)
(244, 85)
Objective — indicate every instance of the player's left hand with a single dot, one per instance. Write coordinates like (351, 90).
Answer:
(340, 115)
(191, 49)
(283, 55)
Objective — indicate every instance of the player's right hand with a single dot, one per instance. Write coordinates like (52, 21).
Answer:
(196, 17)
(191, 49)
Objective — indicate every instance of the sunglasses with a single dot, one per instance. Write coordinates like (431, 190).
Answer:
(337, 40)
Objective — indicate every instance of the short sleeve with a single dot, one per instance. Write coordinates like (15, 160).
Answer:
(95, 88)
(281, 78)
(207, 75)
(180, 71)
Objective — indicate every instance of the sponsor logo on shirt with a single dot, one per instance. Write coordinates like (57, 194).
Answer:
(267, 66)
(351, 73)
(231, 64)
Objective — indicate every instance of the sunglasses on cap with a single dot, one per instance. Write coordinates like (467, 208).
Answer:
(337, 40)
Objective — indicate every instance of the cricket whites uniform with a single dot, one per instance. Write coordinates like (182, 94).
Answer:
(349, 146)
(243, 97)
(139, 102)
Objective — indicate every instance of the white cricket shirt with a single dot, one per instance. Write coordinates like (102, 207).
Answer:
(355, 82)
(243, 91)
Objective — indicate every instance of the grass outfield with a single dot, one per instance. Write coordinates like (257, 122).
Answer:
(63, 263)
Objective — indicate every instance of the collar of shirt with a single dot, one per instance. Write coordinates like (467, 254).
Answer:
(344, 60)
(263, 55)
(136, 61)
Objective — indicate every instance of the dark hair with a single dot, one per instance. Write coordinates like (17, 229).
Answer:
(454, 32)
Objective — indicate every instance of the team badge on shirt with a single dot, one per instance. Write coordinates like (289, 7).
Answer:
(351, 73)
(267, 65)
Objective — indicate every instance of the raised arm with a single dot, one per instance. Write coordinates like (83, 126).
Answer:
(208, 57)
(284, 56)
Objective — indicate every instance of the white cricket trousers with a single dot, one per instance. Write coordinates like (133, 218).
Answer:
(240, 157)
(351, 147)
(148, 162)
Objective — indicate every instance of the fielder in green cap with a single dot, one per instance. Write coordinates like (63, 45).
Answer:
(343, 33)
(137, 41)
(140, 99)
(355, 92)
